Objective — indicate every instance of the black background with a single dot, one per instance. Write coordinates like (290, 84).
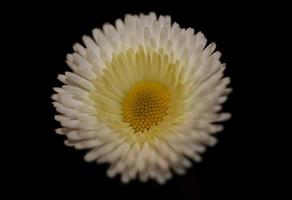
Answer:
(233, 169)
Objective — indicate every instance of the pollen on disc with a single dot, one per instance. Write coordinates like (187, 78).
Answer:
(145, 105)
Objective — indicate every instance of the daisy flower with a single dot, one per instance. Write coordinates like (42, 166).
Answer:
(144, 96)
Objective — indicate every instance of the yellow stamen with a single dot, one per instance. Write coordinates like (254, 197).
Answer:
(145, 105)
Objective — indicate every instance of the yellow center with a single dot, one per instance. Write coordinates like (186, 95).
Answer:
(145, 105)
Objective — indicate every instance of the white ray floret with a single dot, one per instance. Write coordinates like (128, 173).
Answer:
(143, 96)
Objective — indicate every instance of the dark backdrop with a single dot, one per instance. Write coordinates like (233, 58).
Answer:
(233, 169)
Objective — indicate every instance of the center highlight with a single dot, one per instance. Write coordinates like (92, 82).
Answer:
(145, 105)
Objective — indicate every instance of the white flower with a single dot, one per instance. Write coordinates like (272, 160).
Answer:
(144, 96)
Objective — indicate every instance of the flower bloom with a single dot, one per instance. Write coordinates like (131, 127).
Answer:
(143, 96)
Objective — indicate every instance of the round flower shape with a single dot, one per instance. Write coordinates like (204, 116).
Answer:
(143, 96)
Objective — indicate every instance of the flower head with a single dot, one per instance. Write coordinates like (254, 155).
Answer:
(144, 96)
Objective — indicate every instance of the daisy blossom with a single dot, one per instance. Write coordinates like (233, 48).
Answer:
(144, 96)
